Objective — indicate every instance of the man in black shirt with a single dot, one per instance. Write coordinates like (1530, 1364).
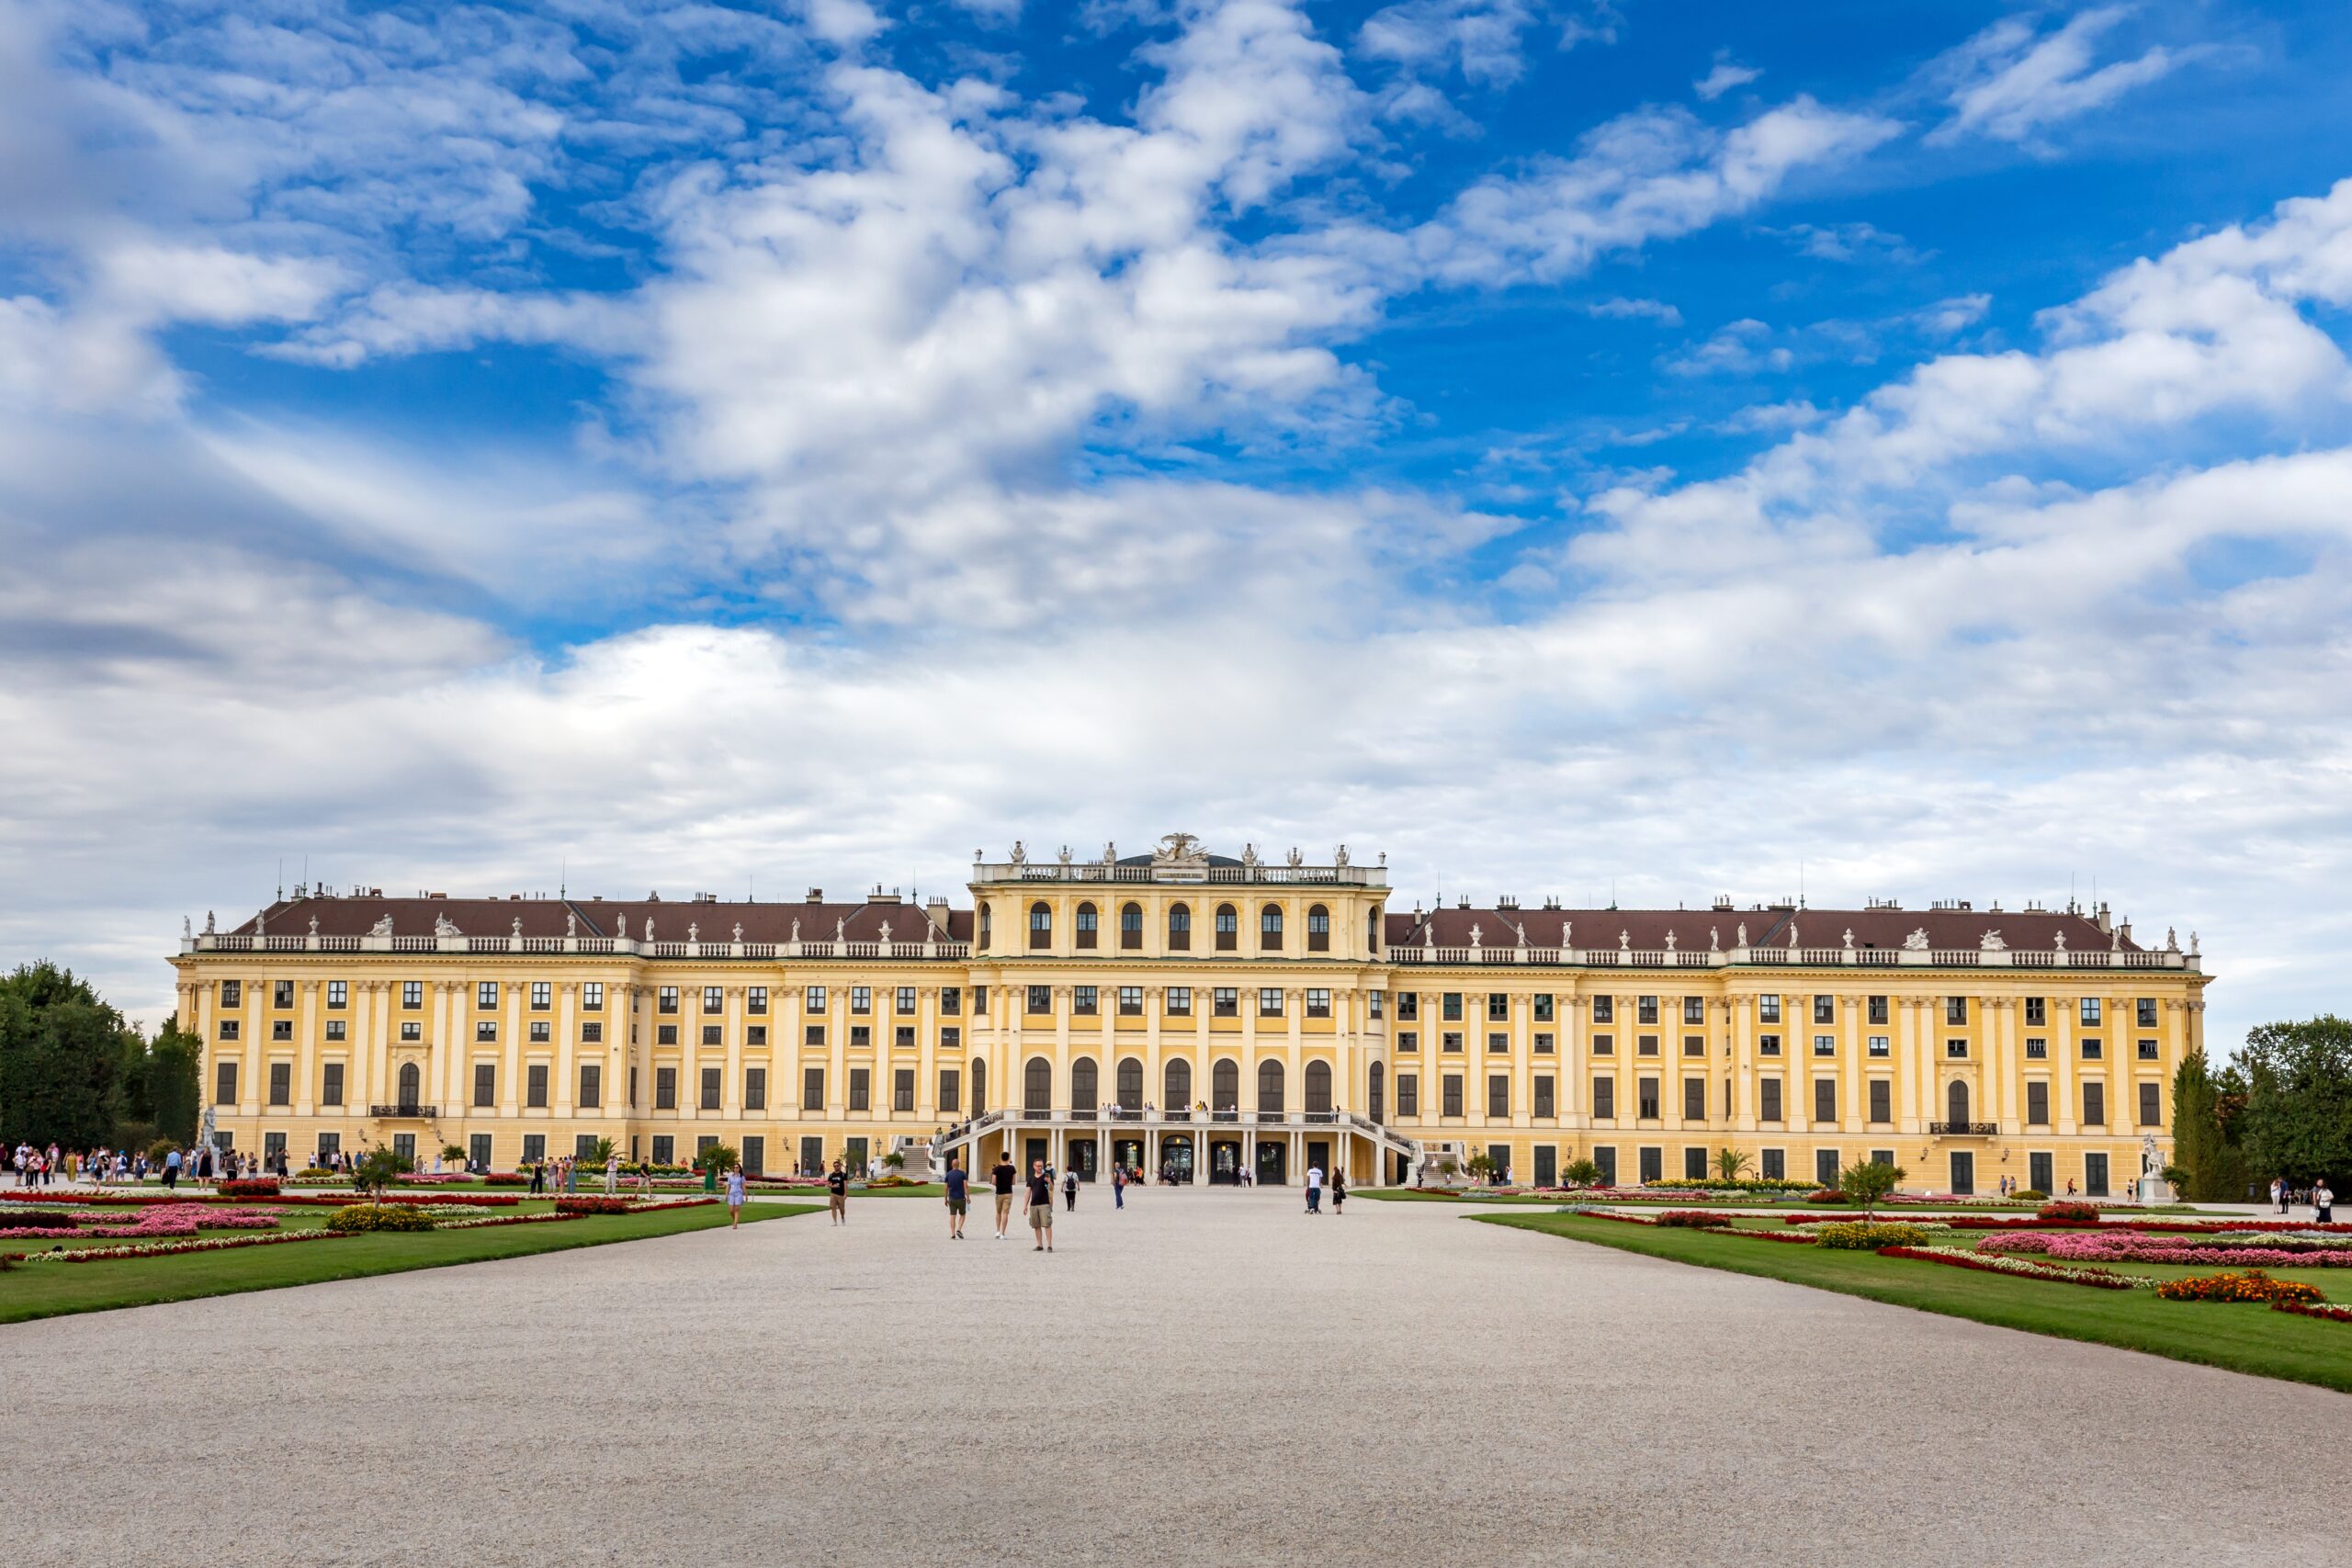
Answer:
(1002, 1174)
(1039, 1206)
(837, 1187)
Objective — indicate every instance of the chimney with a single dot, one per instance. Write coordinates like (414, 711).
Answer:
(2106, 921)
(815, 895)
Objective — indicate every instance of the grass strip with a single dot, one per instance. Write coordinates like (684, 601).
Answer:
(2241, 1339)
(31, 1291)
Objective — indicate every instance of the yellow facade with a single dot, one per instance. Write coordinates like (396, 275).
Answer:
(1240, 1015)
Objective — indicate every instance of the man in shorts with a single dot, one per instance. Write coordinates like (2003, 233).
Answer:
(1002, 1174)
(837, 1192)
(1039, 1206)
(958, 1199)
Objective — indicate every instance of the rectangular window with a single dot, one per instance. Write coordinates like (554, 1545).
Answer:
(411, 1030)
(951, 1091)
(979, 1000)
(1825, 1044)
(233, 992)
(335, 1029)
(755, 1001)
(1497, 1007)
(591, 996)
(1409, 1006)
(1767, 1009)
(812, 999)
(861, 1036)
(330, 1084)
(2147, 1012)
(710, 1084)
(412, 995)
(1955, 1009)
(2094, 1105)
(2150, 1111)
(2148, 1051)
(1498, 1044)
(2092, 1050)
(667, 1001)
(1767, 1045)
(861, 1089)
(665, 1089)
(1131, 1001)
(1881, 1099)
(1881, 1046)
(902, 1036)
(755, 1088)
(2037, 1016)
(815, 1036)
(1318, 1003)
(2038, 1172)
(1543, 1007)
(1545, 1103)
(1647, 1108)
(592, 1085)
(1645, 1009)
(330, 1145)
(1041, 998)
(1377, 1003)
(1694, 1044)
(714, 999)
(665, 1148)
(1955, 1050)
(1768, 1100)
(485, 1084)
(1825, 1167)
(281, 1029)
(1083, 1000)
(1694, 1009)
(1451, 1105)
(951, 1039)
(1694, 1099)
(486, 996)
(2037, 1106)
(1653, 1164)
(1604, 1044)
(1409, 1094)
(281, 1083)
(339, 994)
(1407, 1040)
(534, 1086)
(1604, 1009)
(541, 1031)
(282, 993)
(1605, 1157)
(542, 995)
(1544, 1042)
(1604, 1099)
(812, 1089)
(1825, 1099)
(1180, 1001)
(1694, 1165)
(902, 1090)
(951, 1002)
(535, 1147)
(755, 1035)
(1269, 1001)
(2090, 1012)
(2095, 1175)
(1450, 1040)
(1498, 1094)
(2037, 1047)
(861, 998)
(1825, 1009)
(666, 1034)
(1224, 1001)
(1453, 1007)
(1775, 1165)
(1646, 1045)
(905, 998)
(1879, 1011)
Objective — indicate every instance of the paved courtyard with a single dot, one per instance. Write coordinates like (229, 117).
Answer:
(1206, 1377)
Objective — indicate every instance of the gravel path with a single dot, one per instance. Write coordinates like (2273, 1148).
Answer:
(1204, 1377)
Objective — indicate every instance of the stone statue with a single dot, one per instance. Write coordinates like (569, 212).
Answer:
(1177, 846)
(1249, 856)
(187, 929)
(1669, 941)
(2151, 1160)
(1568, 934)
(886, 930)
(1714, 939)
(1019, 852)
(1917, 940)
(2192, 935)
(1474, 933)
(1065, 856)
(796, 928)
(624, 927)
(1110, 852)
(694, 930)
(572, 922)
(314, 928)
(261, 922)
(648, 928)
(739, 930)
(1624, 941)
(1741, 939)
(1340, 855)
(2062, 941)
(1793, 936)
(2172, 940)
(1991, 942)
(841, 927)
(1296, 859)
(444, 926)
(207, 923)
(518, 928)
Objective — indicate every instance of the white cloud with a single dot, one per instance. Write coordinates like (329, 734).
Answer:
(1479, 38)
(1723, 79)
(2011, 81)
(1622, 309)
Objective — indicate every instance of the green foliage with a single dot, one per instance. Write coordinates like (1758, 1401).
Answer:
(2298, 1098)
(1867, 1235)
(600, 1151)
(172, 1066)
(60, 1056)
(895, 1160)
(160, 1150)
(377, 1169)
(2030, 1195)
(375, 1217)
(1581, 1173)
(453, 1152)
(1479, 1166)
(717, 1160)
(1867, 1182)
(2212, 1169)
(1731, 1163)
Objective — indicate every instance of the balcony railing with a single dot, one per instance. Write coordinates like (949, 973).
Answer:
(1962, 1129)
(766, 952)
(405, 1112)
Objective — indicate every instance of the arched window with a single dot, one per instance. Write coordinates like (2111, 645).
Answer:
(1037, 1084)
(979, 1085)
(1371, 930)
(1269, 928)
(988, 927)
(1269, 1088)
(1130, 1092)
(1380, 1092)
(1085, 1091)
(1177, 1077)
(1131, 928)
(1041, 925)
(1180, 929)
(409, 1084)
(1224, 1086)
(1086, 924)
(1318, 929)
(1228, 927)
(1956, 1103)
(1319, 1087)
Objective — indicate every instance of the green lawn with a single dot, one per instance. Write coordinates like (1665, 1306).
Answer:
(2243, 1338)
(47, 1289)
(1794, 1203)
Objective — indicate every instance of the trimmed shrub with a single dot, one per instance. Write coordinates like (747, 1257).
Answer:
(2030, 1195)
(251, 1187)
(592, 1205)
(2066, 1209)
(2247, 1285)
(356, 1217)
(1825, 1195)
(1697, 1219)
(1867, 1235)
(37, 1220)
(505, 1178)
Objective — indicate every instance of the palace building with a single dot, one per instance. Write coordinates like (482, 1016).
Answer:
(1200, 1015)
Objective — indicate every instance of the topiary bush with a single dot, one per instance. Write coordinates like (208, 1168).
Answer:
(356, 1217)
(1825, 1195)
(505, 1178)
(2064, 1210)
(2246, 1285)
(1867, 1235)
(2030, 1195)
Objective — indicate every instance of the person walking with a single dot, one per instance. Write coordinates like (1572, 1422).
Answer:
(1119, 1187)
(1314, 1189)
(1037, 1202)
(2279, 1193)
(172, 1170)
(735, 1199)
(959, 1201)
(2322, 1202)
(837, 1194)
(1003, 1174)
(612, 1174)
(1339, 1190)
(1069, 1190)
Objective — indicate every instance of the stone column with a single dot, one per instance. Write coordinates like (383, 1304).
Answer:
(565, 1097)
(510, 1092)
(306, 1054)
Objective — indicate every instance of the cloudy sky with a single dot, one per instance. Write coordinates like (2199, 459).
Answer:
(1576, 448)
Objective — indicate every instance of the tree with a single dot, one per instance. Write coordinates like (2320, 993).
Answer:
(717, 1160)
(377, 1169)
(175, 1095)
(1479, 1166)
(1867, 1182)
(61, 1055)
(2298, 1098)
(2201, 1147)
(601, 1151)
(454, 1153)
(1582, 1173)
(1731, 1163)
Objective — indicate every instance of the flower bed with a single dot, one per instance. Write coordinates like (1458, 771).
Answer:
(505, 1178)
(355, 1218)
(2064, 1210)
(253, 1187)
(1867, 1235)
(2312, 1309)
(584, 1205)
(1824, 1195)
(2128, 1248)
(35, 1221)
(2247, 1285)
(168, 1248)
(1698, 1219)
(177, 1219)
(2023, 1267)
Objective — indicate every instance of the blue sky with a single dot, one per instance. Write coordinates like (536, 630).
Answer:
(1567, 444)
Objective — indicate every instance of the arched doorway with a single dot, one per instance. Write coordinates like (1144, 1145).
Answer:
(1176, 1159)
(1037, 1084)
(1225, 1162)
(1319, 1088)
(411, 1084)
(1956, 1104)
